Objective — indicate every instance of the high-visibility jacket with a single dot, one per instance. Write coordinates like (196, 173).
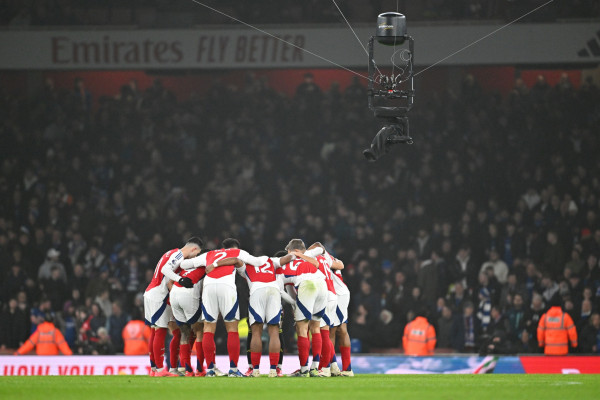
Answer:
(555, 331)
(419, 338)
(47, 341)
(135, 337)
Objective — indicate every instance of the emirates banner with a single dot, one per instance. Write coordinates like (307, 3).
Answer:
(558, 43)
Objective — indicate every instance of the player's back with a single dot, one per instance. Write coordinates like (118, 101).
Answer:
(158, 285)
(325, 262)
(196, 275)
(261, 276)
(224, 274)
(300, 270)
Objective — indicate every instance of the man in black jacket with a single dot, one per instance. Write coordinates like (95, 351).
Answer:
(590, 335)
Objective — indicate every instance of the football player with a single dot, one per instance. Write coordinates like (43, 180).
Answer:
(157, 312)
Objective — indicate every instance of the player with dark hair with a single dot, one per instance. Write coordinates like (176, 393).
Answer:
(185, 304)
(157, 312)
(219, 296)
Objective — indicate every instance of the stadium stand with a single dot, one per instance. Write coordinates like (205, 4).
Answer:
(491, 214)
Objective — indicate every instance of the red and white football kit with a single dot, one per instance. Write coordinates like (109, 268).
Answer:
(343, 299)
(265, 291)
(219, 294)
(310, 287)
(185, 302)
(325, 262)
(157, 312)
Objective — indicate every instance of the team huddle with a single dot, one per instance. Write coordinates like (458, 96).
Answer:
(189, 291)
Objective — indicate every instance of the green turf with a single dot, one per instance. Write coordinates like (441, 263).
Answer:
(373, 387)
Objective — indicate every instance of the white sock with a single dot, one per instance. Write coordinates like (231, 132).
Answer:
(314, 365)
(303, 369)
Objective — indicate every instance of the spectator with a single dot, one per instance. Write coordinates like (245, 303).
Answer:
(584, 315)
(469, 330)
(516, 317)
(464, 268)
(45, 270)
(15, 282)
(575, 264)
(103, 346)
(389, 329)
(117, 322)
(590, 335)
(554, 255)
(55, 288)
(457, 298)
(447, 330)
(525, 344)
(14, 326)
(94, 259)
(368, 299)
(103, 301)
(484, 310)
(510, 290)
(498, 266)
(79, 281)
(549, 287)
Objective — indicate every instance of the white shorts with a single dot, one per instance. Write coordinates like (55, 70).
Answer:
(185, 306)
(157, 313)
(311, 301)
(265, 306)
(218, 298)
(341, 313)
(329, 316)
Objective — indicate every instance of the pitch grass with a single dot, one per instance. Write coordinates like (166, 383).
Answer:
(373, 387)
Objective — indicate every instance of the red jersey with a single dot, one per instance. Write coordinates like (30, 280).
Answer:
(325, 262)
(218, 255)
(195, 275)
(224, 274)
(300, 270)
(264, 275)
(158, 284)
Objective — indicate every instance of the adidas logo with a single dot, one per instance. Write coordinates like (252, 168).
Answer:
(593, 47)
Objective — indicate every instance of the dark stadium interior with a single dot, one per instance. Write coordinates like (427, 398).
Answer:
(493, 211)
(175, 14)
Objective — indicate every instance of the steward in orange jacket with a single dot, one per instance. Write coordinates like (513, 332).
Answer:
(555, 331)
(419, 337)
(47, 341)
(136, 335)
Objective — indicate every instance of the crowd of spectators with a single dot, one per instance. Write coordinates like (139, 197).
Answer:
(494, 210)
(175, 13)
